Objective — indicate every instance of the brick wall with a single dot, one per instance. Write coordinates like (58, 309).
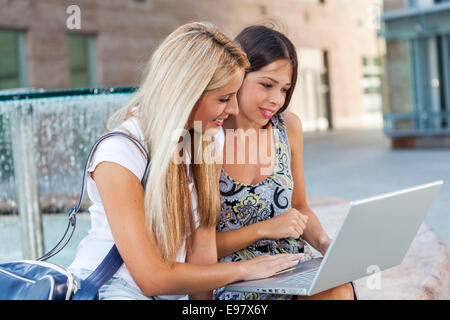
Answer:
(390, 5)
(128, 31)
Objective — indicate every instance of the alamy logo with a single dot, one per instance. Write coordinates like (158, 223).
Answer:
(74, 19)
(373, 281)
(236, 142)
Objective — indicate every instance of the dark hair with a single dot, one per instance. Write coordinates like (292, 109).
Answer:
(263, 46)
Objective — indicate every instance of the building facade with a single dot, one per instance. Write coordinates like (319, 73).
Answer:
(54, 44)
(417, 91)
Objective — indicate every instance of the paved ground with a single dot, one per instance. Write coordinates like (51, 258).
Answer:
(358, 164)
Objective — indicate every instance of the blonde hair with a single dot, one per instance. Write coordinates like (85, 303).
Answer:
(194, 58)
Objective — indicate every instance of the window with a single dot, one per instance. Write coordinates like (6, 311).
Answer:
(371, 83)
(311, 97)
(400, 94)
(423, 3)
(434, 68)
(12, 62)
(419, 80)
(81, 56)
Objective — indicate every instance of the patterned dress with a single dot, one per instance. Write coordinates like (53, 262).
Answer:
(242, 205)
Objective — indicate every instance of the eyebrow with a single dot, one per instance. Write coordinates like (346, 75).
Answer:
(277, 82)
(228, 94)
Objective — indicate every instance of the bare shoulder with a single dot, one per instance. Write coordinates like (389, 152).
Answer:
(293, 126)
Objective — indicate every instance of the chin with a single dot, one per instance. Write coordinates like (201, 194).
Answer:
(211, 131)
(264, 122)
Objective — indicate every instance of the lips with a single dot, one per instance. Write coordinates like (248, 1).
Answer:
(219, 122)
(267, 113)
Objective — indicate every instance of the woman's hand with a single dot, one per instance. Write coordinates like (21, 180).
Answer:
(289, 224)
(267, 265)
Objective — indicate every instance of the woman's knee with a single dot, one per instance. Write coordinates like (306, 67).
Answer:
(344, 292)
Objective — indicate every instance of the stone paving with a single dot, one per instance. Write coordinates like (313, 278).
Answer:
(354, 165)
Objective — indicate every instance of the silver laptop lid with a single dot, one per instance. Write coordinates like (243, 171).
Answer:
(375, 232)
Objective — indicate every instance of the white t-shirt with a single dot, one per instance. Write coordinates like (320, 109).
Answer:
(118, 149)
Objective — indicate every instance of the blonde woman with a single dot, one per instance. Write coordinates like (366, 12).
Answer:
(165, 231)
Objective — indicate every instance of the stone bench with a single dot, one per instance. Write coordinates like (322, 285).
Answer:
(423, 274)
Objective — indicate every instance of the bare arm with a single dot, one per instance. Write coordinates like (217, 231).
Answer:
(231, 241)
(314, 234)
(203, 251)
(290, 224)
(123, 199)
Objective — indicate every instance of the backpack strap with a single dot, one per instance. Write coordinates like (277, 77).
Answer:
(107, 268)
(72, 212)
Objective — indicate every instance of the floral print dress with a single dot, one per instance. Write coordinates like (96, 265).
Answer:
(242, 205)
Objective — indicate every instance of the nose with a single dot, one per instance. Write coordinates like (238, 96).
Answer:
(276, 98)
(232, 107)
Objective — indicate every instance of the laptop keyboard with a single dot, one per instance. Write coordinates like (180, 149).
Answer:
(300, 280)
(296, 280)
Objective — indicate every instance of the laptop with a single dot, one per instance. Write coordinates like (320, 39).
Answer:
(377, 231)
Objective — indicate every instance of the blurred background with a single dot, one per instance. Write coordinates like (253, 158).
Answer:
(337, 42)
(373, 93)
